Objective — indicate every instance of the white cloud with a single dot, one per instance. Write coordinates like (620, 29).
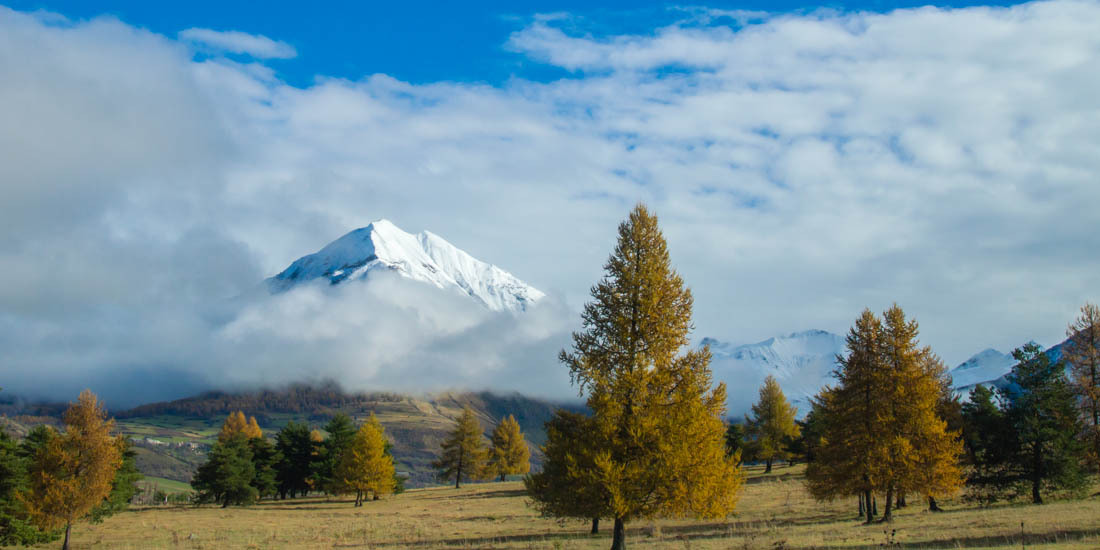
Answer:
(254, 45)
(804, 167)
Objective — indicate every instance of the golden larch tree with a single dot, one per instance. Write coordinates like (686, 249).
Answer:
(252, 430)
(772, 425)
(463, 455)
(1082, 352)
(922, 456)
(657, 415)
(881, 429)
(508, 452)
(234, 424)
(73, 472)
(365, 467)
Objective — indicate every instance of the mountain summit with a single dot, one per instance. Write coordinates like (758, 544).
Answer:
(801, 362)
(424, 257)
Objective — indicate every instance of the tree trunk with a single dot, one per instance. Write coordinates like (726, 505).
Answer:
(458, 471)
(1036, 475)
(860, 506)
(901, 501)
(888, 515)
(595, 526)
(932, 506)
(618, 537)
(874, 504)
(768, 468)
(502, 477)
(867, 506)
(68, 529)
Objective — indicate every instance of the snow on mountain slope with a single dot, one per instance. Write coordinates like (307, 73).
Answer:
(986, 367)
(425, 257)
(801, 362)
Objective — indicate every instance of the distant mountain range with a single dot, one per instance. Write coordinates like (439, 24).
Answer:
(803, 363)
(424, 257)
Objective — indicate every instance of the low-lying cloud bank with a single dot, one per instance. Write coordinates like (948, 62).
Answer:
(804, 167)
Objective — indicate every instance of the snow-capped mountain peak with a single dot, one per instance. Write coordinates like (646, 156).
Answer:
(802, 363)
(988, 366)
(424, 257)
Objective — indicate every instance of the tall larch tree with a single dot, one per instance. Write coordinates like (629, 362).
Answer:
(1082, 353)
(364, 467)
(922, 455)
(771, 426)
(73, 472)
(569, 484)
(656, 412)
(463, 455)
(852, 421)
(508, 452)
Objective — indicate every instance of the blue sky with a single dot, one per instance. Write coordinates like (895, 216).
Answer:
(805, 164)
(417, 41)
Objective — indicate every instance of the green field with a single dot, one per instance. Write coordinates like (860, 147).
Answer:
(775, 513)
(169, 486)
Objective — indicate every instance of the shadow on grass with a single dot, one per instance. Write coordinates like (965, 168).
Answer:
(502, 493)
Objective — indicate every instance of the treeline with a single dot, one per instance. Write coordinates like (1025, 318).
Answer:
(891, 426)
(243, 466)
(52, 479)
(298, 398)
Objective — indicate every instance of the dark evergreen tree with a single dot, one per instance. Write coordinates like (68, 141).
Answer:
(15, 527)
(36, 439)
(735, 441)
(1042, 411)
(341, 431)
(568, 485)
(226, 477)
(398, 480)
(265, 462)
(988, 441)
(298, 456)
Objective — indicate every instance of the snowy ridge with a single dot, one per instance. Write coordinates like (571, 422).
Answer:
(425, 257)
(985, 367)
(802, 363)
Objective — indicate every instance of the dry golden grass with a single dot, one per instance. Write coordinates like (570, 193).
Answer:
(774, 513)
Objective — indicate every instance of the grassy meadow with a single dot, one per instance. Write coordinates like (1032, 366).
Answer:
(775, 513)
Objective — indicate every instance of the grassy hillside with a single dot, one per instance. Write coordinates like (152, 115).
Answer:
(172, 438)
(775, 513)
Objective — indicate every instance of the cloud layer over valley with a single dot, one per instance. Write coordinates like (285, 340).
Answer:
(804, 167)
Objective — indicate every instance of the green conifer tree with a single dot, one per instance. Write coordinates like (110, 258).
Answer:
(227, 476)
(1042, 411)
(569, 484)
